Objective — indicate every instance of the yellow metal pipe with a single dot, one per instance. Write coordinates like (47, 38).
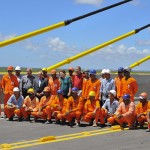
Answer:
(69, 60)
(30, 34)
(139, 62)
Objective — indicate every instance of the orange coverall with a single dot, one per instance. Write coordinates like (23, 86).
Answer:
(76, 108)
(89, 108)
(93, 86)
(84, 87)
(128, 113)
(8, 84)
(54, 85)
(42, 106)
(29, 106)
(130, 87)
(119, 86)
(142, 110)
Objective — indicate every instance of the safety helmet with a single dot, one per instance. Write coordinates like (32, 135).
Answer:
(75, 89)
(103, 71)
(127, 69)
(93, 71)
(126, 96)
(44, 69)
(107, 71)
(143, 95)
(16, 89)
(30, 90)
(120, 69)
(113, 92)
(91, 93)
(10, 68)
(59, 91)
(71, 69)
(18, 68)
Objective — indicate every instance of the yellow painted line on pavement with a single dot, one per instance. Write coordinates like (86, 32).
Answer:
(85, 134)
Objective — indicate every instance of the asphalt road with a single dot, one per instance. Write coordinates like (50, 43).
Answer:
(106, 139)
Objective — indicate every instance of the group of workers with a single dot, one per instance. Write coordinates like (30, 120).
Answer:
(75, 97)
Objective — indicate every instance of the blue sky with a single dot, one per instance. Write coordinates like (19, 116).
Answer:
(20, 17)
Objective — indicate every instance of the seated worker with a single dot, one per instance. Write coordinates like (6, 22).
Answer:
(59, 114)
(126, 112)
(109, 108)
(91, 110)
(31, 104)
(142, 109)
(14, 105)
(42, 113)
(74, 108)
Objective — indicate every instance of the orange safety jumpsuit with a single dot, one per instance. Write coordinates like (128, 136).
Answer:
(42, 113)
(89, 108)
(140, 109)
(0, 96)
(54, 85)
(128, 113)
(8, 84)
(75, 107)
(30, 106)
(93, 86)
(84, 87)
(130, 87)
(119, 86)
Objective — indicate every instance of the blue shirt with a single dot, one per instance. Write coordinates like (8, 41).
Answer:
(106, 86)
(18, 102)
(111, 108)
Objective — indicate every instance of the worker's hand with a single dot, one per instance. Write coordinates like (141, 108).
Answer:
(93, 114)
(119, 116)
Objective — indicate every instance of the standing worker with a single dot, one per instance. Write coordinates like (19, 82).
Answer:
(17, 73)
(9, 81)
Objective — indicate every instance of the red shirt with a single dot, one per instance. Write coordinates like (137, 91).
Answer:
(78, 81)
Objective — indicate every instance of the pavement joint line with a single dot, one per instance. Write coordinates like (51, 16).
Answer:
(57, 139)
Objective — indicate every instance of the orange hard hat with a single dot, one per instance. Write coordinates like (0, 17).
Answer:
(10, 68)
(70, 68)
(143, 95)
(47, 89)
(53, 72)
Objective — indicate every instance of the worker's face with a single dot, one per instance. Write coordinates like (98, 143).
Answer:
(62, 75)
(120, 74)
(53, 75)
(86, 74)
(40, 75)
(10, 72)
(92, 76)
(92, 98)
(126, 102)
(70, 72)
(31, 95)
(17, 72)
(17, 94)
(29, 72)
(44, 73)
(111, 96)
(103, 76)
(126, 73)
(143, 101)
(78, 71)
(107, 76)
(74, 94)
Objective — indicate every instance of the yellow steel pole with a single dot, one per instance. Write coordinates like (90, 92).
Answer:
(60, 24)
(139, 62)
(98, 47)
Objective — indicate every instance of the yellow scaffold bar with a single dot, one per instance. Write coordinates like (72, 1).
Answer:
(139, 62)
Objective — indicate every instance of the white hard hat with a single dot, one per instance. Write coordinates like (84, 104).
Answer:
(107, 71)
(113, 92)
(16, 89)
(103, 71)
(18, 68)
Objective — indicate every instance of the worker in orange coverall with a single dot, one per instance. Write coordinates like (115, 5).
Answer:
(60, 113)
(31, 104)
(74, 108)
(92, 112)
(14, 105)
(142, 110)
(126, 112)
(9, 81)
(45, 100)
(129, 84)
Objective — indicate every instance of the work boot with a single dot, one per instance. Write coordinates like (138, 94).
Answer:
(11, 118)
(27, 119)
(91, 122)
(57, 122)
(95, 124)
(20, 119)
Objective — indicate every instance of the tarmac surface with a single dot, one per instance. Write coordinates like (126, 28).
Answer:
(28, 135)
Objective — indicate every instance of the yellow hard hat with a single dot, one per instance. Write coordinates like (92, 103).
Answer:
(44, 69)
(31, 90)
(92, 93)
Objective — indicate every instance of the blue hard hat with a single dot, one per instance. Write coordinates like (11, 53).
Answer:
(126, 96)
(93, 71)
(120, 69)
(60, 92)
(75, 89)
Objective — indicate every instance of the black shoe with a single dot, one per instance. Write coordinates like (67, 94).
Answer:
(27, 119)
(57, 122)
(10, 119)
(102, 125)
(91, 122)
(141, 126)
(20, 119)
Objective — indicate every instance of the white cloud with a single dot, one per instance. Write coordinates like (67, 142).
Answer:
(91, 2)
(143, 42)
(6, 37)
